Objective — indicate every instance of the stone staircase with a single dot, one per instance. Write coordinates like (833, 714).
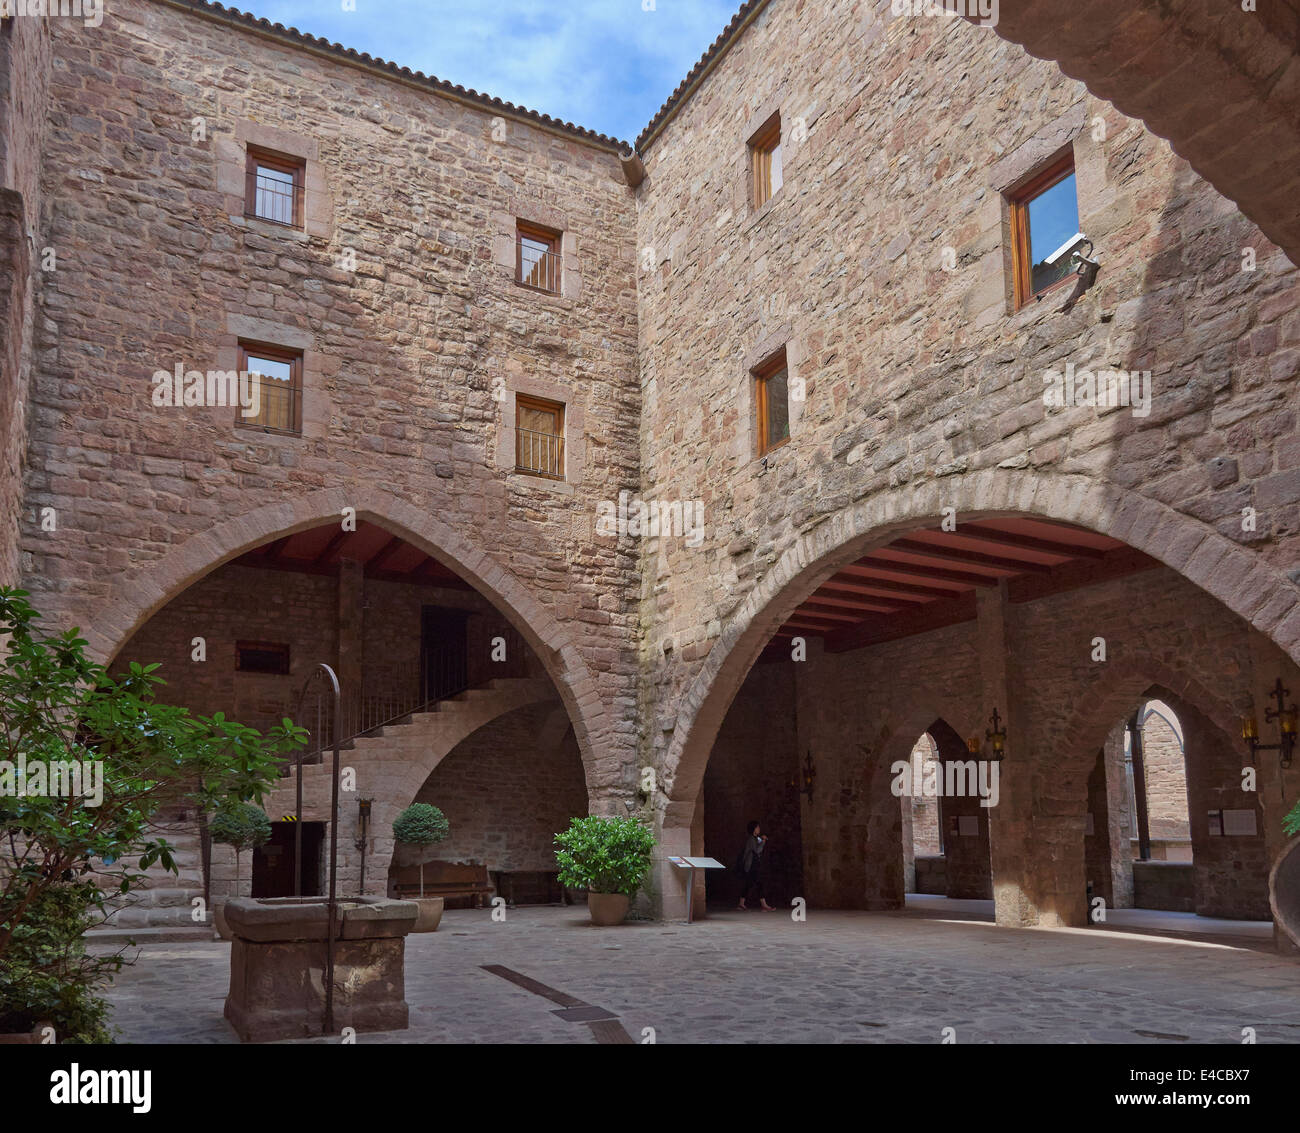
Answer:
(393, 762)
(391, 765)
(164, 900)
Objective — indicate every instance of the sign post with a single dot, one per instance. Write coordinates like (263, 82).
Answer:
(691, 865)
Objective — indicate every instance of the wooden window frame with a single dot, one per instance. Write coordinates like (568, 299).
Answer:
(281, 163)
(1021, 253)
(541, 405)
(761, 145)
(263, 647)
(273, 353)
(763, 373)
(551, 239)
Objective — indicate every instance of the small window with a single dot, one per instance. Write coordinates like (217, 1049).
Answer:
(274, 188)
(539, 437)
(261, 657)
(1044, 230)
(765, 160)
(772, 398)
(275, 388)
(538, 257)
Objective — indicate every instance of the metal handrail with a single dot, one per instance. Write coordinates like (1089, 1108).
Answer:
(538, 269)
(542, 453)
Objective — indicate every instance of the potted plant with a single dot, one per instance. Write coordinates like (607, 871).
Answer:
(241, 826)
(609, 857)
(418, 827)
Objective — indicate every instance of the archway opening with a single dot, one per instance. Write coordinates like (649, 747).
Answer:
(1170, 829)
(945, 827)
(506, 790)
(1007, 625)
(424, 660)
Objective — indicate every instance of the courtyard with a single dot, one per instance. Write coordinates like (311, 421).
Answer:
(839, 977)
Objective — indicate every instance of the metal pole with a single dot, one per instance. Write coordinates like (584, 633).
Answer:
(334, 866)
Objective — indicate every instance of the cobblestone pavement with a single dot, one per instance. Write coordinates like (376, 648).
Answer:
(756, 977)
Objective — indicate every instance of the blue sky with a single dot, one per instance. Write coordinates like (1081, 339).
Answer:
(604, 64)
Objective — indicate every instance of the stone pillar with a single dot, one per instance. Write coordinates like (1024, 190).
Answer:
(674, 840)
(852, 827)
(1036, 837)
(1098, 852)
(1118, 820)
(351, 626)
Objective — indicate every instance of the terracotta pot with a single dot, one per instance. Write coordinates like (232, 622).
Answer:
(608, 908)
(1284, 890)
(34, 1037)
(430, 913)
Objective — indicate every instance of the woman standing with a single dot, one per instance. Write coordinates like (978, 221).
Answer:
(750, 865)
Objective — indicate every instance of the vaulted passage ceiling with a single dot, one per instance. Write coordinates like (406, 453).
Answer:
(384, 556)
(928, 579)
(1220, 83)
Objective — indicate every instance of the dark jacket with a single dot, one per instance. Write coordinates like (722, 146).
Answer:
(753, 854)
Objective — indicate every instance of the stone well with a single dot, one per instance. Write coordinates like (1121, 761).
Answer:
(277, 965)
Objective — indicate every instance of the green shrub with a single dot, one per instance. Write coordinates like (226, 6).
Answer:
(59, 853)
(1291, 821)
(421, 825)
(241, 826)
(605, 855)
(47, 977)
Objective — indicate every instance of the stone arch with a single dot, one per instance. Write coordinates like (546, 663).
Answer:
(1225, 885)
(141, 593)
(1237, 577)
(1112, 697)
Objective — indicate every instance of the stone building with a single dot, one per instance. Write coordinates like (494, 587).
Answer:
(805, 321)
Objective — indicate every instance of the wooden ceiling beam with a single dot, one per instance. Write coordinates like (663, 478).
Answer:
(916, 570)
(333, 545)
(1028, 542)
(973, 558)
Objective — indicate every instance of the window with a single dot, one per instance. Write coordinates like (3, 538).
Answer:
(261, 657)
(1044, 230)
(274, 188)
(274, 387)
(765, 160)
(772, 399)
(538, 257)
(539, 437)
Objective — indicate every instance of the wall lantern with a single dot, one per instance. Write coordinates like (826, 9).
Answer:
(1287, 719)
(363, 821)
(997, 735)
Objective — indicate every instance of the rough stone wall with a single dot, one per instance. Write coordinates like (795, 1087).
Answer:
(507, 792)
(24, 79)
(392, 636)
(755, 759)
(232, 604)
(406, 356)
(921, 378)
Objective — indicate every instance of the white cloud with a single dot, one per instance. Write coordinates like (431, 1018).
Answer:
(604, 64)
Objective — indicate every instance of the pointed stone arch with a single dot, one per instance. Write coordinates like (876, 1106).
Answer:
(138, 595)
